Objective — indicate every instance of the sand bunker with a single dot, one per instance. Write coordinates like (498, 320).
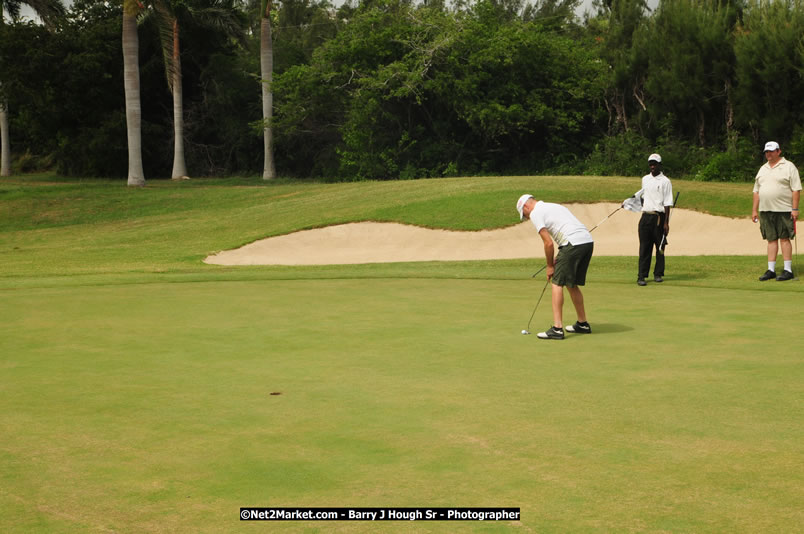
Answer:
(691, 234)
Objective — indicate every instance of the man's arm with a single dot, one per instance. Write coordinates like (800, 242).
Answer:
(668, 204)
(755, 208)
(549, 249)
(667, 220)
(796, 198)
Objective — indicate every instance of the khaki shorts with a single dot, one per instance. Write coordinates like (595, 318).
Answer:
(572, 263)
(776, 225)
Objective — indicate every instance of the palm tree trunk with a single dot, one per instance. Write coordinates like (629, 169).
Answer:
(179, 166)
(267, 67)
(5, 145)
(131, 76)
(5, 149)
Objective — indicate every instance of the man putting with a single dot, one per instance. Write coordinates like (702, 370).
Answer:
(575, 244)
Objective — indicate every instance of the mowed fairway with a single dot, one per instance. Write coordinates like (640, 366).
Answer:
(151, 407)
(144, 391)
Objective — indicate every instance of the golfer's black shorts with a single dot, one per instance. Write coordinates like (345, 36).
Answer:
(572, 263)
(776, 225)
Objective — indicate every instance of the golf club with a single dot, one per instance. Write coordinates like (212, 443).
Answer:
(527, 330)
(540, 270)
(604, 219)
(795, 226)
(664, 243)
(590, 231)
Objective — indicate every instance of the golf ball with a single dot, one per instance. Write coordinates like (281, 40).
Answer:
(525, 332)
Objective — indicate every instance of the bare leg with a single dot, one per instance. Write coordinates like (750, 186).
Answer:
(577, 300)
(773, 250)
(558, 306)
(787, 249)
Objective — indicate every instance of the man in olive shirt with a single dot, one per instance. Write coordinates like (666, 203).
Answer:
(777, 191)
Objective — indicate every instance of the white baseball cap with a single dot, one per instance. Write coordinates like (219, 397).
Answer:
(771, 145)
(520, 205)
(655, 157)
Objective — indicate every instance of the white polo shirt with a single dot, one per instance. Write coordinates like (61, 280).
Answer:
(775, 186)
(561, 224)
(656, 192)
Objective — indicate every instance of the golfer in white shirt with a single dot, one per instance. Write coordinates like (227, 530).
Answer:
(555, 223)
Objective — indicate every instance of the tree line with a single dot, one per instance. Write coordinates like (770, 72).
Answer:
(396, 89)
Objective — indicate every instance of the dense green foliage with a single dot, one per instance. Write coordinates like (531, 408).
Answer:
(389, 89)
(438, 94)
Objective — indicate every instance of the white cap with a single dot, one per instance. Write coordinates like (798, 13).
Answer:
(520, 205)
(771, 145)
(655, 157)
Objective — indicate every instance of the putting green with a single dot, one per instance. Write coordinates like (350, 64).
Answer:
(167, 406)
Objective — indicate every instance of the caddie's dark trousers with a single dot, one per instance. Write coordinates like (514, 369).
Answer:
(651, 230)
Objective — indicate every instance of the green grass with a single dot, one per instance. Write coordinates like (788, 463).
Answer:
(136, 382)
(61, 228)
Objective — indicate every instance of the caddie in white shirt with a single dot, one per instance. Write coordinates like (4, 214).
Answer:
(556, 223)
(654, 200)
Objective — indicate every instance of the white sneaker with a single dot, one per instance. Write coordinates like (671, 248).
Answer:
(579, 328)
(551, 333)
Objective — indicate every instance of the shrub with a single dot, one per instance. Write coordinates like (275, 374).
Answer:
(624, 154)
(737, 165)
(795, 151)
(681, 159)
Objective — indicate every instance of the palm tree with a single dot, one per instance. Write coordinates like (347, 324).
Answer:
(169, 35)
(216, 14)
(266, 70)
(131, 82)
(49, 11)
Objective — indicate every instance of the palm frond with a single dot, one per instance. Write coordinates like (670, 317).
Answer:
(50, 11)
(163, 16)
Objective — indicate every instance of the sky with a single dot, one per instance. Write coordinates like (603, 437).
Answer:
(586, 5)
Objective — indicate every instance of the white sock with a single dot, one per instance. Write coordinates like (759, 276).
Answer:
(788, 265)
(772, 266)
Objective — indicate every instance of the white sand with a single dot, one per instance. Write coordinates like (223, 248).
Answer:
(691, 234)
